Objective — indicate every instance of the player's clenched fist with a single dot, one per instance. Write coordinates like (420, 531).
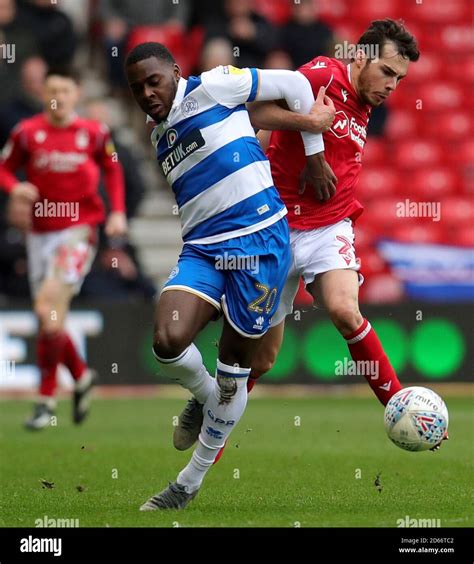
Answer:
(116, 225)
(25, 191)
(20, 205)
(322, 112)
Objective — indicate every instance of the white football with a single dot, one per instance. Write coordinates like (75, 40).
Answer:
(416, 418)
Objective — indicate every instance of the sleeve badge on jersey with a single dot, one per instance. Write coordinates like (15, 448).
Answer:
(7, 149)
(109, 147)
(229, 69)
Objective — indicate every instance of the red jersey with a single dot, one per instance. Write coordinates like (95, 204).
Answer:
(64, 163)
(344, 146)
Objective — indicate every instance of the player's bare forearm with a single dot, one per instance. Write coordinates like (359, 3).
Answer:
(271, 116)
(276, 115)
(24, 191)
(114, 180)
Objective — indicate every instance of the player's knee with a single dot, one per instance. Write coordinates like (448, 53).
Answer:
(346, 316)
(170, 343)
(263, 363)
(46, 314)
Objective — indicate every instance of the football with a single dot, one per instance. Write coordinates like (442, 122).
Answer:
(416, 419)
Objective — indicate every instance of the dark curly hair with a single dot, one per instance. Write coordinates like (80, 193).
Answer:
(147, 50)
(381, 31)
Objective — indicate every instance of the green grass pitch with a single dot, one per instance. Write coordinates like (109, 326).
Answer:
(290, 462)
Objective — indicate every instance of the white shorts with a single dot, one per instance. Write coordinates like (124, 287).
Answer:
(66, 255)
(313, 252)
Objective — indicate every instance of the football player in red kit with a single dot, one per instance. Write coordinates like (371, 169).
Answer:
(322, 227)
(62, 155)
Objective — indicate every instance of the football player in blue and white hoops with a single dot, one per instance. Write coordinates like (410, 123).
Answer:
(236, 251)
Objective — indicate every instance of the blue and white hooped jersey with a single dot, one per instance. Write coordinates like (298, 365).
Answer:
(210, 156)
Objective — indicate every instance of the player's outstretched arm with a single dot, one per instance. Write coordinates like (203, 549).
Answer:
(231, 86)
(270, 116)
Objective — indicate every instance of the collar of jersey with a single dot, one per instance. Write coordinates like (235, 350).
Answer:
(179, 93)
(176, 103)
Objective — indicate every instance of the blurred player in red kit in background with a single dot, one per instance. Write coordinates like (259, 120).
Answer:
(60, 208)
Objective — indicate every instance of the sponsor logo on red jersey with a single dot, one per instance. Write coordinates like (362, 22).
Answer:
(340, 126)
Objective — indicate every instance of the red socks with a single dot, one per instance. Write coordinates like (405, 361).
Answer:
(71, 358)
(364, 345)
(250, 384)
(49, 351)
(52, 350)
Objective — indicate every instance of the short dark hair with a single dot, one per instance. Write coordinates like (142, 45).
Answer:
(64, 72)
(381, 31)
(147, 50)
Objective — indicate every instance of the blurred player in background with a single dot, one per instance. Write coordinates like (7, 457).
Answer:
(231, 215)
(59, 207)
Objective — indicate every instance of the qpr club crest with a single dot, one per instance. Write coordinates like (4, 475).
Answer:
(174, 272)
(171, 136)
(189, 106)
